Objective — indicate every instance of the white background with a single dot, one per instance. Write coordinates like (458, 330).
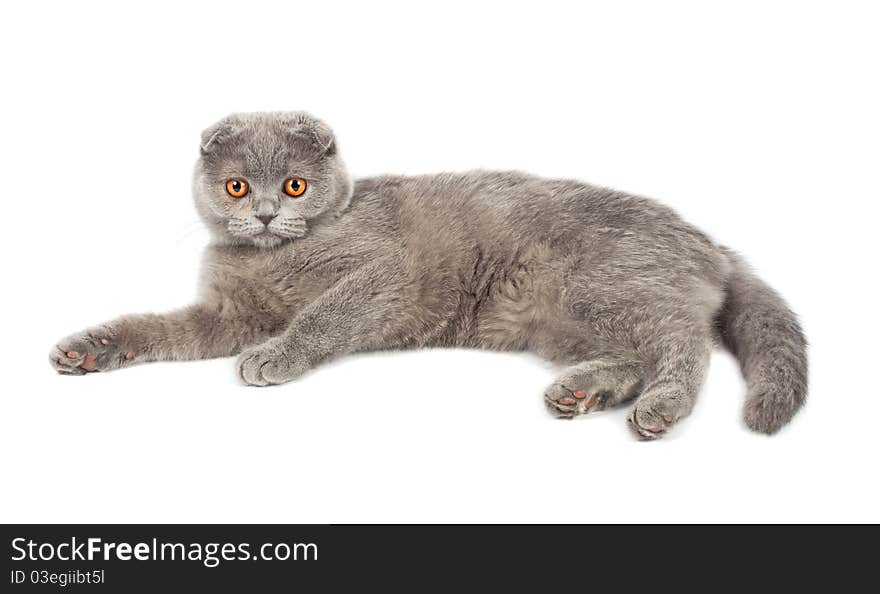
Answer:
(757, 121)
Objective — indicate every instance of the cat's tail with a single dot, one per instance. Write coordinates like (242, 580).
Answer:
(765, 336)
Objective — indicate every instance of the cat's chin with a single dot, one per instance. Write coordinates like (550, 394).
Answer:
(267, 240)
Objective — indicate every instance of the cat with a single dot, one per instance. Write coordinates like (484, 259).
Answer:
(306, 265)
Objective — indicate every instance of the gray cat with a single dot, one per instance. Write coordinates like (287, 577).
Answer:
(306, 265)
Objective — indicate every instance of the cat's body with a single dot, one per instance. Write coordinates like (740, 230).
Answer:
(615, 286)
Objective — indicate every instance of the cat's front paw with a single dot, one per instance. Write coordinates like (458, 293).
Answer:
(93, 350)
(269, 364)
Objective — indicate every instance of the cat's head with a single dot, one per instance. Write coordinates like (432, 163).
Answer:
(264, 178)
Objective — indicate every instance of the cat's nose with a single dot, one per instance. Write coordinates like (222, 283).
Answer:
(266, 219)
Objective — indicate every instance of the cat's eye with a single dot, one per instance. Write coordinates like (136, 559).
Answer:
(295, 186)
(236, 187)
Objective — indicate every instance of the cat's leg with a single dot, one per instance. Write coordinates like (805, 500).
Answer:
(661, 341)
(679, 363)
(366, 309)
(594, 385)
(200, 331)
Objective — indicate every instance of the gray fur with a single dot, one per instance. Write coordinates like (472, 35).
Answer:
(615, 286)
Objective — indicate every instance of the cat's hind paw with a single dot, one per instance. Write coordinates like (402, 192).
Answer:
(592, 385)
(566, 403)
(653, 415)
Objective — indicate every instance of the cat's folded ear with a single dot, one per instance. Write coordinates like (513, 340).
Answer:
(309, 133)
(214, 134)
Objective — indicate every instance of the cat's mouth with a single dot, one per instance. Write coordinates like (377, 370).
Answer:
(267, 235)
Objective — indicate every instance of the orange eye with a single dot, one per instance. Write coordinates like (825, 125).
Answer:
(236, 188)
(295, 186)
